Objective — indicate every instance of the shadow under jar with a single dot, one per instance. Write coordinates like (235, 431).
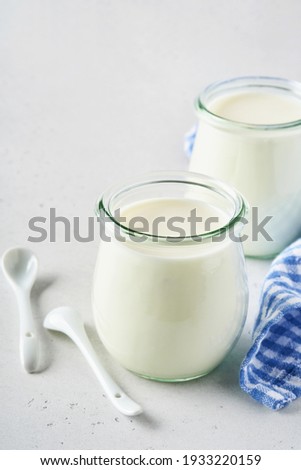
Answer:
(170, 292)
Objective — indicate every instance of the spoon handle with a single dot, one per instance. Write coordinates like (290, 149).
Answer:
(117, 396)
(29, 344)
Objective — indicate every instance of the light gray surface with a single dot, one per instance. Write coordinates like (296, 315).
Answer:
(92, 92)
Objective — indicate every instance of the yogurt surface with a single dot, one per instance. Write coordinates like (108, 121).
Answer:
(257, 107)
(173, 217)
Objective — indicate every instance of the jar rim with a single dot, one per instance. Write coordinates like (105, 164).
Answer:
(248, 82)
(175, 177)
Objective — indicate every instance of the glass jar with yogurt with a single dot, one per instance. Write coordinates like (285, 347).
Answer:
(170, 292)
(249, 135)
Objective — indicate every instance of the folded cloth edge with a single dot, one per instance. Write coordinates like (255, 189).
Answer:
(269, 394)
(287, 304)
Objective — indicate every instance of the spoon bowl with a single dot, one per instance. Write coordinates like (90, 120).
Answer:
(20, 267)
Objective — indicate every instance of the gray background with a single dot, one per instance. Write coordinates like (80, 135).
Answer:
(92, 92)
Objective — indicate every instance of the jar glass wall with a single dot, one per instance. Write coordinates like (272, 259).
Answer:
(170, 307)
(259, 154)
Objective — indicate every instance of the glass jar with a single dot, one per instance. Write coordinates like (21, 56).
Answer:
(249, 135)
(170, 307)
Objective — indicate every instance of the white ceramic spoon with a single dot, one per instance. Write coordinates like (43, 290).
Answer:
(20, 267)
(66, 320)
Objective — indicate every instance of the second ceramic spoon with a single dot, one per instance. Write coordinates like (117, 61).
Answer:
(66, 320)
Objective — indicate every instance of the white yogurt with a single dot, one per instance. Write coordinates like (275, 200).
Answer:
(257, 107)
(166, 310)
(251, 142)
(163, 216)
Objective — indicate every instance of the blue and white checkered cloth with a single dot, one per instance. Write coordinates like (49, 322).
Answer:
(271, 370)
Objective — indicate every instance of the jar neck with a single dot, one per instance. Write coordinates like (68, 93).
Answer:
(177, 185)
(220, 89)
